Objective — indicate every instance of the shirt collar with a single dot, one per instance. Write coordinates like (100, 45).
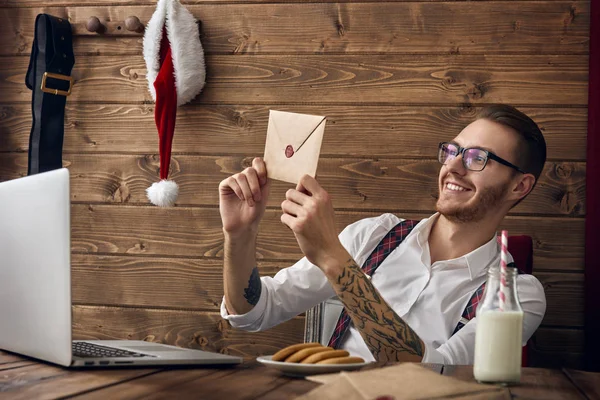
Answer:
(477, 261)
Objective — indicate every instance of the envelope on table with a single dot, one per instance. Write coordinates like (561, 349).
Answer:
(293, 145)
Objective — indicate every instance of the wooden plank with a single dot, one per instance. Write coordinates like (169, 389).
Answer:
(242, 383)
(14, 365)
(341, 79)
(409, 27)
(187, 3)
(198, 232)
(360, 184)
(556, 359)
(535, 383)
(544, 384)
(557, 347)
(559, 339)
(289, 390)
(564, 298)
(190, 329)
(393, 131)
(587, 382)
(146, 385)
(6, 357)
(197, 284)
(42, 381)
(193, 284)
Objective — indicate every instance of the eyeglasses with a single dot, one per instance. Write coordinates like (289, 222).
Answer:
(473, 159)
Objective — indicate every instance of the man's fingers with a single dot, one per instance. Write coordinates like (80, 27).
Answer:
(308, 184)
(261, 170)
(287, 220)
(289, 207)
(231, 184)
(296, 196)
(245, 187)
(252, 178)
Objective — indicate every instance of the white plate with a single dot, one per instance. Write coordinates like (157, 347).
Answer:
(296, 369)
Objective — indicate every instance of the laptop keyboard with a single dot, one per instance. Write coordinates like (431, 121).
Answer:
(89, 350)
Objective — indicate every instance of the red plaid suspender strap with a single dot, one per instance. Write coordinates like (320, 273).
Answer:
(471, 307)
(388, 244)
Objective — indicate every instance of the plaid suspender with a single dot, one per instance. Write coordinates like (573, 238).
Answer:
(471, 307)
(388, 244)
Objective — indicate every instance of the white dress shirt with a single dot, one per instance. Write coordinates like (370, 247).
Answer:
(430, 298)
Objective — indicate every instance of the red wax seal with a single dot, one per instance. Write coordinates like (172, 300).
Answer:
(289, 151)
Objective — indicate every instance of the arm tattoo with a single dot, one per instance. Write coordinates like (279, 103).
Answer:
(252, 292)
(388, 337)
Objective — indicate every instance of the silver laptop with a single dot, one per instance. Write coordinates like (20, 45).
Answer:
(35, 285)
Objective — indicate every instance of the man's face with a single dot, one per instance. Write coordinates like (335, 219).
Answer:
(470, 196)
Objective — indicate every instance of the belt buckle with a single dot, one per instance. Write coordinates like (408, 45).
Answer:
(59, 77)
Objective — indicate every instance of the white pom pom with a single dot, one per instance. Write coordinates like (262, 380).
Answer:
(163, 193)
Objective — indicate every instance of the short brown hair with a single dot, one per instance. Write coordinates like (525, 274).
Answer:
(531, 150)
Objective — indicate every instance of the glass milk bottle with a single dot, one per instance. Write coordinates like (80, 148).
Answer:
(499, 333)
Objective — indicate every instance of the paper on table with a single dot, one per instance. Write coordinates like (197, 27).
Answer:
(403, 381)
(293, 145)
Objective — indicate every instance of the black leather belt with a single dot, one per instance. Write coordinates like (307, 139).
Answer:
(50, 81)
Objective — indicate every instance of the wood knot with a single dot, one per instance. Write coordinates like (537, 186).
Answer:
(340, 28)
(568, 202)
(564, 170)
(122, 194)
(517, 25)
(247, 162)
(222, 325)
(448, 81)
(570, 18)
(476, 91)
(202, 341)
(241, 121)
(467, 109)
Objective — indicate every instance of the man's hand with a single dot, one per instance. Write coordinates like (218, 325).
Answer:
(308, 212)
(242, 202)
(243, 199)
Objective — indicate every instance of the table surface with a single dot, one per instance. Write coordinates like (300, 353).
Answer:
(24, 378)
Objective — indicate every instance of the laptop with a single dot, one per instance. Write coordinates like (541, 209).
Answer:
(35, 285)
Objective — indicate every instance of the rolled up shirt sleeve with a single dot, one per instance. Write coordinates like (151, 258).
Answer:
(294, 290)
(460, 348)
(290, 292)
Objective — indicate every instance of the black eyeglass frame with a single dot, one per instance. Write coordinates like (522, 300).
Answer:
(489, 155)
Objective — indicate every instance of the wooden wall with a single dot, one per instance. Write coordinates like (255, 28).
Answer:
(394, 79)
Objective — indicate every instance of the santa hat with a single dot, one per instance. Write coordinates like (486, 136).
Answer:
(176, 74)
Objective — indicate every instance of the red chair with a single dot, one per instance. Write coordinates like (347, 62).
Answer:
(521, 248)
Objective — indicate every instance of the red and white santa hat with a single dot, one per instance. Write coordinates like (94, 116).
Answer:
(176, 74)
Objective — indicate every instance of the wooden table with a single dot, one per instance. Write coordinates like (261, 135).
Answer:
(22, 378)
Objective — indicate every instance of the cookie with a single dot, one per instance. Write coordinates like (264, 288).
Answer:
(342, 360)
(302, 354)
(324, 355)
(288, 351)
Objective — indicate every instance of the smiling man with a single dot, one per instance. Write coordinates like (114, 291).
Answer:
(410, 308)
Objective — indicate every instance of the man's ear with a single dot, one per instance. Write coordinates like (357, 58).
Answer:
(523, 186)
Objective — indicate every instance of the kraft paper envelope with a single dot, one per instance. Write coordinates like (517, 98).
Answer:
(408, 381)
(293, 145)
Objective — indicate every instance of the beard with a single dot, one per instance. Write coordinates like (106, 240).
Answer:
(477, 208)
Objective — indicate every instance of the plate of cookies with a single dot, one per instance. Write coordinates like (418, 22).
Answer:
(311, 358)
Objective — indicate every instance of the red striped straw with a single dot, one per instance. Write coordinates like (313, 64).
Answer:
(503, 257)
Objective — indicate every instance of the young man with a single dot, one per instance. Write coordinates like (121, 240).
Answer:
(410, 307)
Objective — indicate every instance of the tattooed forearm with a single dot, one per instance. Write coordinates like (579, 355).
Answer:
(252, 292)
(388, 337)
